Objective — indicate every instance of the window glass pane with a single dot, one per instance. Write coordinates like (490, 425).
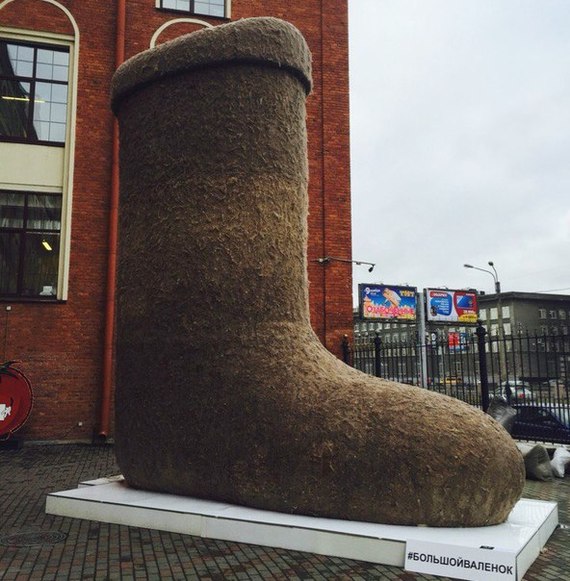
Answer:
(44, 71)
(56, 132)
(42, 130)
(47, 113)
(211, 8)
(9, 262)
(177, 4)
(29, 72)
(11, 210)
(21, 61)
(41, 256)
(52, 65)
(61, 58)
(58, 113)
(44, 212)
(14, 109)
(206, 7)
(59, 93)
(45, 56)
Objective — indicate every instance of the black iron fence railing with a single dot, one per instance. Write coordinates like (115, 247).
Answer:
(530, 370)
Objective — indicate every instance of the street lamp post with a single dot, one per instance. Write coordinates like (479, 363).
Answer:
(503, 363)
(493, 273)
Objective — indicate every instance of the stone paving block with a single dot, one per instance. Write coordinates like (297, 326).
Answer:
(106, 552)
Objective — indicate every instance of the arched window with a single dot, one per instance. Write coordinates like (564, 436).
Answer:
(35, 113)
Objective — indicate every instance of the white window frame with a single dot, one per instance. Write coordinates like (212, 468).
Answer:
(66, 190)
(227, 10)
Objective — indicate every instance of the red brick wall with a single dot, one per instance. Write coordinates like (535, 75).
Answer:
(61, 345)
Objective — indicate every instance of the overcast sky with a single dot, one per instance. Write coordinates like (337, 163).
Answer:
(460, 142)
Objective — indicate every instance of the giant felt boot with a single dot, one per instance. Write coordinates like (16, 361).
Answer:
(223, 390)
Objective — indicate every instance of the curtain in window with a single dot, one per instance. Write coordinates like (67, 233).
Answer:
(29, 243)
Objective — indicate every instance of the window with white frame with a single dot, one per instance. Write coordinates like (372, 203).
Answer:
(506, 312)
(542, 313)
(36, 102)
(201, 7)
(33, 92)
(494, 313)
(30, 227)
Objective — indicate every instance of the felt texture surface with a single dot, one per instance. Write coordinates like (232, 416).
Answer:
(223, 391)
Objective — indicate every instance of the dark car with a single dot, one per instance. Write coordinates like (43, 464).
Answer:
(550, 423)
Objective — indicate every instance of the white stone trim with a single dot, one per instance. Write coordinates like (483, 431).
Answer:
(69, 157)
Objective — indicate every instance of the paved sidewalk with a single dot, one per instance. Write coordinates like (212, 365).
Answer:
(36, 546)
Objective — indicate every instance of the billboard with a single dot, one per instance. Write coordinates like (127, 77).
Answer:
(451, 306)
(387, 303)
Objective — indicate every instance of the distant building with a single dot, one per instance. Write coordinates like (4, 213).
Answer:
(517, 312)
(528, 336)
(520, 312)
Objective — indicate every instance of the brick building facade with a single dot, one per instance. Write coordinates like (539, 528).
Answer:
(58, 185)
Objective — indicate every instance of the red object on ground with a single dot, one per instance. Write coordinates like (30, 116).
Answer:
(16, 399)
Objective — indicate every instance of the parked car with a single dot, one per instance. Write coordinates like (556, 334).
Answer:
(549, 422)
(519, 390)
(556, 385)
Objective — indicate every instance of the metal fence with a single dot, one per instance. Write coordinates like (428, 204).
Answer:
(530, 370)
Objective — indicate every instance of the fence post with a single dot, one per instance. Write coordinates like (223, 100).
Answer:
(345, 349)
(377, 349)
(481, 332)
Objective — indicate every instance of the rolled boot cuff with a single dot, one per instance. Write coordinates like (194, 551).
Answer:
(265, 40)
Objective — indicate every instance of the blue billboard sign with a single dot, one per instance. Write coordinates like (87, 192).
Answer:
(387, 302)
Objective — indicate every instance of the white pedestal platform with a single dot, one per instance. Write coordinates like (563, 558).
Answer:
(504, 551)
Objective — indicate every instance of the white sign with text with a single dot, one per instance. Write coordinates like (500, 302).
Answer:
(471, 563)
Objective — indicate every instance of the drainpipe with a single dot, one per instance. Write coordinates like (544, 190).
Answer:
(107, 386)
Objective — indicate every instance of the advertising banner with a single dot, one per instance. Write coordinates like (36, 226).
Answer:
(387, 302)
(451, 306)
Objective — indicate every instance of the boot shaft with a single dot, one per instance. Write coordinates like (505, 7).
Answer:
(213, 206)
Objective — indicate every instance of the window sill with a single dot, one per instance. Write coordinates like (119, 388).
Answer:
(20, 300)
(21, 141)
